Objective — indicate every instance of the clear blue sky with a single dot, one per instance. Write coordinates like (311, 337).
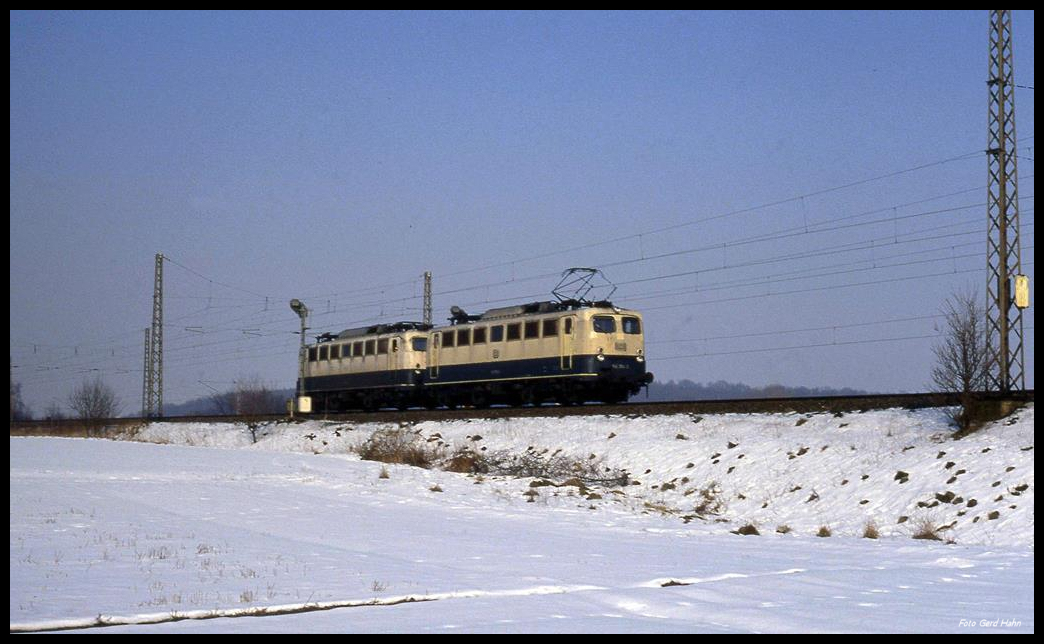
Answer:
(335, 157)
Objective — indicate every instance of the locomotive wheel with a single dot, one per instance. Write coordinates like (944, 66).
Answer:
(479, 400)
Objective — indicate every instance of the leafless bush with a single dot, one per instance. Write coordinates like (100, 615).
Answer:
(748, 529)
(533, 464)
(466, 461)
(397, 446)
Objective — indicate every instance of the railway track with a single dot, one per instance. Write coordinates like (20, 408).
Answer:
(834, 404)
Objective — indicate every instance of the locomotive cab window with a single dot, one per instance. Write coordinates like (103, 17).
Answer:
(632, 326)
(420, 344)
(514, 331)
(604, 324)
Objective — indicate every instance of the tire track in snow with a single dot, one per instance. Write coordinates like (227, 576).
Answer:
(101, 621)
(284, 609)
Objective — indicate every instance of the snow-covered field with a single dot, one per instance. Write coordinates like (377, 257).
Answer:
(197, 528)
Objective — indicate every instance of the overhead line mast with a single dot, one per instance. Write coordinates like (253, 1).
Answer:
(153, 407)
(1004, 340)
(427, 297)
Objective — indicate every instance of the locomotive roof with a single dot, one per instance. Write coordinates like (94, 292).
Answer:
(532, 308)
(374, 329)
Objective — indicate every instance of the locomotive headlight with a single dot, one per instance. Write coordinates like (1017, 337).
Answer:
(641, 356)
(600, 357)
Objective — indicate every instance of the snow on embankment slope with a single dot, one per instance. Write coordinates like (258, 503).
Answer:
(897, 471)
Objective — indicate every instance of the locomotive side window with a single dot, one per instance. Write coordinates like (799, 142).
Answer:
(420, 344)
(632, 326)
(514, 331)
(382, 347)
(357, 349)
(479, 336)
(604, 324)
(463, 337)
(447, 339)
(395, 345)
(324, 353)
(313, 354)
(496, 333)
(532, 329)
(550, 328)
(371, 347)
(335, 352)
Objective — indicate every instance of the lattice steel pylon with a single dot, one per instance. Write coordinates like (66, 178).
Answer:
(154, 369)
(1004, 252)
(427, 297)
(147, 371)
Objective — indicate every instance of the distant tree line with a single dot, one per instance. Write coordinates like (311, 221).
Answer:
(250, 397)
(722, 390)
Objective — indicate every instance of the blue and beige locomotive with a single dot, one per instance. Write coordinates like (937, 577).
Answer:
(568, 352)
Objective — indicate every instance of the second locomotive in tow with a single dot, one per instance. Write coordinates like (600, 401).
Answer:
(568, 352)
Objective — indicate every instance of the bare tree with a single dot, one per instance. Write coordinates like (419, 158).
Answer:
(94, 401)
(19, 411)
(54, 411)
(222, 403)
(962, 360)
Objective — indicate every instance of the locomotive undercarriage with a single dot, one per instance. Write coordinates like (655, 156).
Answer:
(571, 391)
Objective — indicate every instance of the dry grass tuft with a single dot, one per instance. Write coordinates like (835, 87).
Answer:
(870, 530)
(925, 528)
